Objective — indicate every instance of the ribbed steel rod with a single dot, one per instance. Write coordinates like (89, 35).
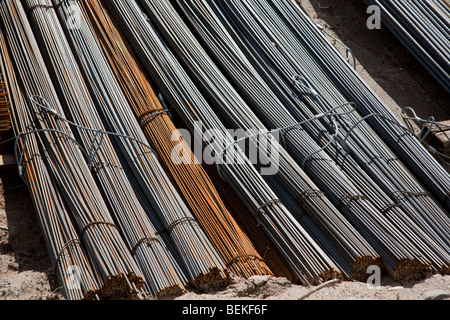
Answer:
(66, 164)
(276, 117)
(225, 234)
(147, 248)
(201, 261)
(70, 261)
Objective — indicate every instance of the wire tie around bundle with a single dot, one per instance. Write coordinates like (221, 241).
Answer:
(248, 255)
(388, 207)
(97, 132)
(97, 223)
(149, 116)
(309, 193)
(175, 223)
(265, 205)
(346, 199)
(146, 240)
(19, 157)
(397, 193)
(422, 193)
(68, 244)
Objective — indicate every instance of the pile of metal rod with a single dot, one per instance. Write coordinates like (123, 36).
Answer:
(339, 188)
(161, 271)
(423, 27)
(67, 169)
(338, 183)
(286, 64)
(205, 270)
(318, 215)
(368, 149)
(364, 145)
(179, 89)
(404, 144)
(266, 45)
(227, 101)
(71, 264)
(232, 244)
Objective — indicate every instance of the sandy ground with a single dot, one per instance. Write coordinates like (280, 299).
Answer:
(264, 287)
(25, 268)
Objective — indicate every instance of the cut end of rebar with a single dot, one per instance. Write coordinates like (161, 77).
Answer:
(327, 275)
(248, 265)
(170, 292)
(215, 279)
(121, 286)
(362, 264)
(408, 270)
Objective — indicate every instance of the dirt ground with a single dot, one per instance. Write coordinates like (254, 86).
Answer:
(25, 267)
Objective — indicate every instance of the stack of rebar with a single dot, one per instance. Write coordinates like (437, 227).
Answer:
(339, 188)
(328, 181)
(187, 100)
(161, 271)
(204, 268)
(71, 264)
(361, 143)
(255, 27)
(227, 101)
(53, 155)
(229, 240)
(405, 145)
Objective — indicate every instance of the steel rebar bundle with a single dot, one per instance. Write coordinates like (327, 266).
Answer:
(297, 141)
(406, 146)
(227, 101)
(423, 27)
(192, 106)
(288, 63)
(225, 234)
(70, 261)
(65, 162)
(204, 268)
(364, 145)
(162, 274)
